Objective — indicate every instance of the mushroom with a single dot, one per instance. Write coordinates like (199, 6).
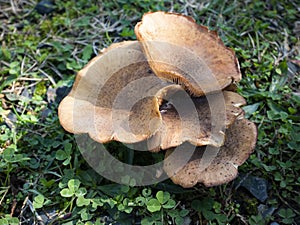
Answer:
(179, 127)
(181, 51)
(222, 163)
(108, 99)
(174, 89)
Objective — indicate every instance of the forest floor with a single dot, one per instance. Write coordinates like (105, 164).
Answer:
(43, 176)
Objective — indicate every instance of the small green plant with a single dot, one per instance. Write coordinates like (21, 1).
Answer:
(210, 210)
(257, 220)
(65, 154)
(74, 191)
(287, 216)
(162, 200)
(8, 220)
(162, 207)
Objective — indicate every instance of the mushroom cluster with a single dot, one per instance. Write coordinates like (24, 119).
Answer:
(172, 88)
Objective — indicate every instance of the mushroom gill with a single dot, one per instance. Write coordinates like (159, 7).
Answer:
(181, 51)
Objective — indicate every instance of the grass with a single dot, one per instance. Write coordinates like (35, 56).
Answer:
(43, 175)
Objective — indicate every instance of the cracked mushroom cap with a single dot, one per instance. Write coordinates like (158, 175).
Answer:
(181, 51)
(214, 113)
(214, 166)
(109, 100)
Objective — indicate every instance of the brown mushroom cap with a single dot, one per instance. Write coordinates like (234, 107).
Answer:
(109, 100)
(181, 51)
(214, 166)
(179, 127)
